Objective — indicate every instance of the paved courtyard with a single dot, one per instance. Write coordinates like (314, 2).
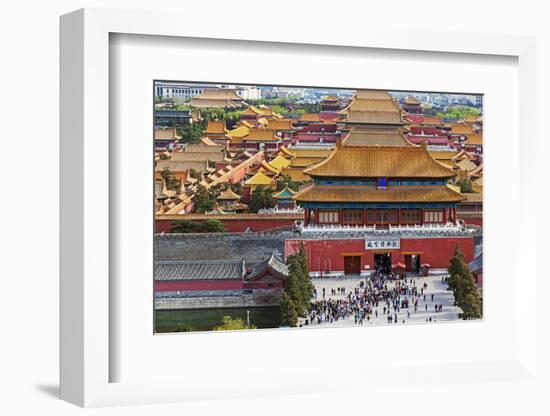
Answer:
(434, 286)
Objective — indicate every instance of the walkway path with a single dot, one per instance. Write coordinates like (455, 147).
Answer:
(435, 287)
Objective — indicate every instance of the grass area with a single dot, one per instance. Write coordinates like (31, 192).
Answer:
(459, 112)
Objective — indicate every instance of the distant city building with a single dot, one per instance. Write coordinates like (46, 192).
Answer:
(187, 91)
(249, 93)
(287, 92)
(478, 101)
(178, 90)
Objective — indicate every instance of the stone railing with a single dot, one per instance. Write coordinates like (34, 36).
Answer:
(324, 228)
(426, 227)
(311, 146)
(296, 210)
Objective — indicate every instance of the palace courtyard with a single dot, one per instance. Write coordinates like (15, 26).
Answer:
(435, 287)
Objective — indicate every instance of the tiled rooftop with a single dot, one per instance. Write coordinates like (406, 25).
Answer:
(199, 270)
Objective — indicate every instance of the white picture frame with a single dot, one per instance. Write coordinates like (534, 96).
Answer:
(86, 356)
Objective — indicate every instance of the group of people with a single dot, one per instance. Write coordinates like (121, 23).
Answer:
(333, 292)
(379, 295)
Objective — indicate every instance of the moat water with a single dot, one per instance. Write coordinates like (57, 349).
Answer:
(207, 319)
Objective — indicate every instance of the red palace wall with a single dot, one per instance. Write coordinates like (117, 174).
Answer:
(264, 282)
(427, 130)
(316, 128)
(328, 115)
(316, 137)
(192, 285)
(328, 255)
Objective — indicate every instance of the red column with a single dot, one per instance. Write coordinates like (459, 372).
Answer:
(421, 216)
(445, 215)
(399, 216)
(340, 217)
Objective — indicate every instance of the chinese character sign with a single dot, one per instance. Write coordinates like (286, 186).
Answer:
(374, 244)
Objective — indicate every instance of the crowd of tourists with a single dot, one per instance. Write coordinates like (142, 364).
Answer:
(386, 295)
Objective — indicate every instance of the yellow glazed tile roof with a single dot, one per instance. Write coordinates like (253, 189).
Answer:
(411, 100)
(476, 139)
(262, 135)
(268, 167)
(166, 134)
(391, 162)
(279, 162)
(216, 127)
(259, 179)
(280, 124)
(310, 117)
(239, 132)
(284, 150)
(228, 194)
(220, 94)
(366, 137)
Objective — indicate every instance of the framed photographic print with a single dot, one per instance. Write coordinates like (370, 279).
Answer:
(291, 206)
(312, 207)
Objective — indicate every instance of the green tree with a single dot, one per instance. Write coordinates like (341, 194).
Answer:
(464, 288)
(204, 200)
(289, 317)
(311, 108)
(236, 187)
(456, 267)
(195, 174)
(261, 198)
(297, 285)
(305, 281)
(191, 132)
(286, 181)
(471, 306)
(280, 109)
(232, 324)
(207, 226)
(294, 285)
(231, 118)
(184, 328)
(213, 226)
(172, 183)
(466, 186)
(184, 227)
(458, 112)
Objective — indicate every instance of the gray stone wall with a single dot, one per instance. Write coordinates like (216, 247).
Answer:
(243, 301)
(252, 247)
